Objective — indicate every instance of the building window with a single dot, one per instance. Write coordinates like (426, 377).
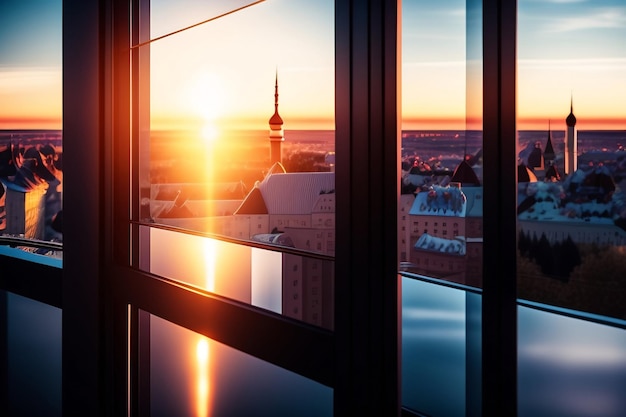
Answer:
(31, 136)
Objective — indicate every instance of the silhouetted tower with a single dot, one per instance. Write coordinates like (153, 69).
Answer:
(571, 143)
(548, 153)
(276, 130)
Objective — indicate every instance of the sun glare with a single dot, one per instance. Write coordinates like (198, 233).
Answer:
(209, 131)
(203, 383)
(205, 95)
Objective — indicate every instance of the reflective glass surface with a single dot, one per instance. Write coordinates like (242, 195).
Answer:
(569, 367)
(236, 140)
(168, 17)
(191, 375)
(33, 342)
(440, 349)
(31, 147)
(571, 163)
(298, 286)
(440, 209)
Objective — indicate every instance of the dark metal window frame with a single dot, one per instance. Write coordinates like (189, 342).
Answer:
(361, 358)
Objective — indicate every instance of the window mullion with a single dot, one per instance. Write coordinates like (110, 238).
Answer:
(499, 312)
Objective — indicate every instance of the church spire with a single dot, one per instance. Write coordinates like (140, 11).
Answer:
(571, 142)
(276, 129)
(571, 119)
(548, 153)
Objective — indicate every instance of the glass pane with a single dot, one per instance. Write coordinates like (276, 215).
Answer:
(294, 285)
(571, 121)
(33, 342)
(441, 338)
(167, 17)
(31, 151)
(569, 367)
(236, 140)
(191, 375)
(441, 191)
(440, 207)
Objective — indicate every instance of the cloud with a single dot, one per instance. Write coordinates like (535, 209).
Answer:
(605, 18)
(580, 64)
(558, 1)
(435, 64)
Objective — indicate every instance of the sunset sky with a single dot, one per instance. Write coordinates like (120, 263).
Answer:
(221, 74)
(30, 64)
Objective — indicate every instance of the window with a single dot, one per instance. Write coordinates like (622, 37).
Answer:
(231, 133)
(132, 288)
(570, 217)
(235, 130)
(31, 248)
(571, 138)
(442, 146)
(31, 147)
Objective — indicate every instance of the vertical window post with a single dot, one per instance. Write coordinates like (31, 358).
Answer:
(367, 183)
(499, 340)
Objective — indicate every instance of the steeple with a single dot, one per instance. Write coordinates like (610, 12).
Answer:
(276, 129)
(276, 121)
(548, 154)
(571, 142)
(571, 119)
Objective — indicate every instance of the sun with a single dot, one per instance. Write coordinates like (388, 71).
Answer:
(209, 131)
(202, 100)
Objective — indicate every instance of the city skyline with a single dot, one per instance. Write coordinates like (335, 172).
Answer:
(565, 49)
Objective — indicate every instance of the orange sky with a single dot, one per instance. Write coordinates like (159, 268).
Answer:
(221, 76)
(30, 98)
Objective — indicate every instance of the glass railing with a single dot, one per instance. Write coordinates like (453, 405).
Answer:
(570, 363)
(194, 375)
(268, 273)
(33, 356)
(441, 331)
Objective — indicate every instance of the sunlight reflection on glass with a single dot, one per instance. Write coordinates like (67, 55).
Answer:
(220, 267)
(192, 375)
(267, 271)
(210, 250)
(203, 388)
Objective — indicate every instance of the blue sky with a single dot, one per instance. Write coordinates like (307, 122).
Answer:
(566, 48)
(30, 33)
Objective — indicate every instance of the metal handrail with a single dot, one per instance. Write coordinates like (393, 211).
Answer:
(14, 241)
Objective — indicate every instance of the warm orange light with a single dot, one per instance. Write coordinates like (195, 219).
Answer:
(209, 132)
(203, 385)
(210, 260)
(584, 122)
(30, 98)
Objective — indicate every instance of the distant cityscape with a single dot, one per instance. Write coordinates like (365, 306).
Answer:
(571, 204)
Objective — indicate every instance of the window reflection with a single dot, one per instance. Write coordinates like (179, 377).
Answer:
(193, 375)
(569, 367)
(234, 115)
(31, 150)
(440, 206)
(236, 151)
(296, 285)
(571, 205)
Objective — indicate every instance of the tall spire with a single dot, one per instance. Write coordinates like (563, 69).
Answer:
(571, 119)
(571, 142)
(276, 129)
(276, 121)
(548, 153)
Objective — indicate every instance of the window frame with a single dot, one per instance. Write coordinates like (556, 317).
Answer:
(97, 281)
(323, 355)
